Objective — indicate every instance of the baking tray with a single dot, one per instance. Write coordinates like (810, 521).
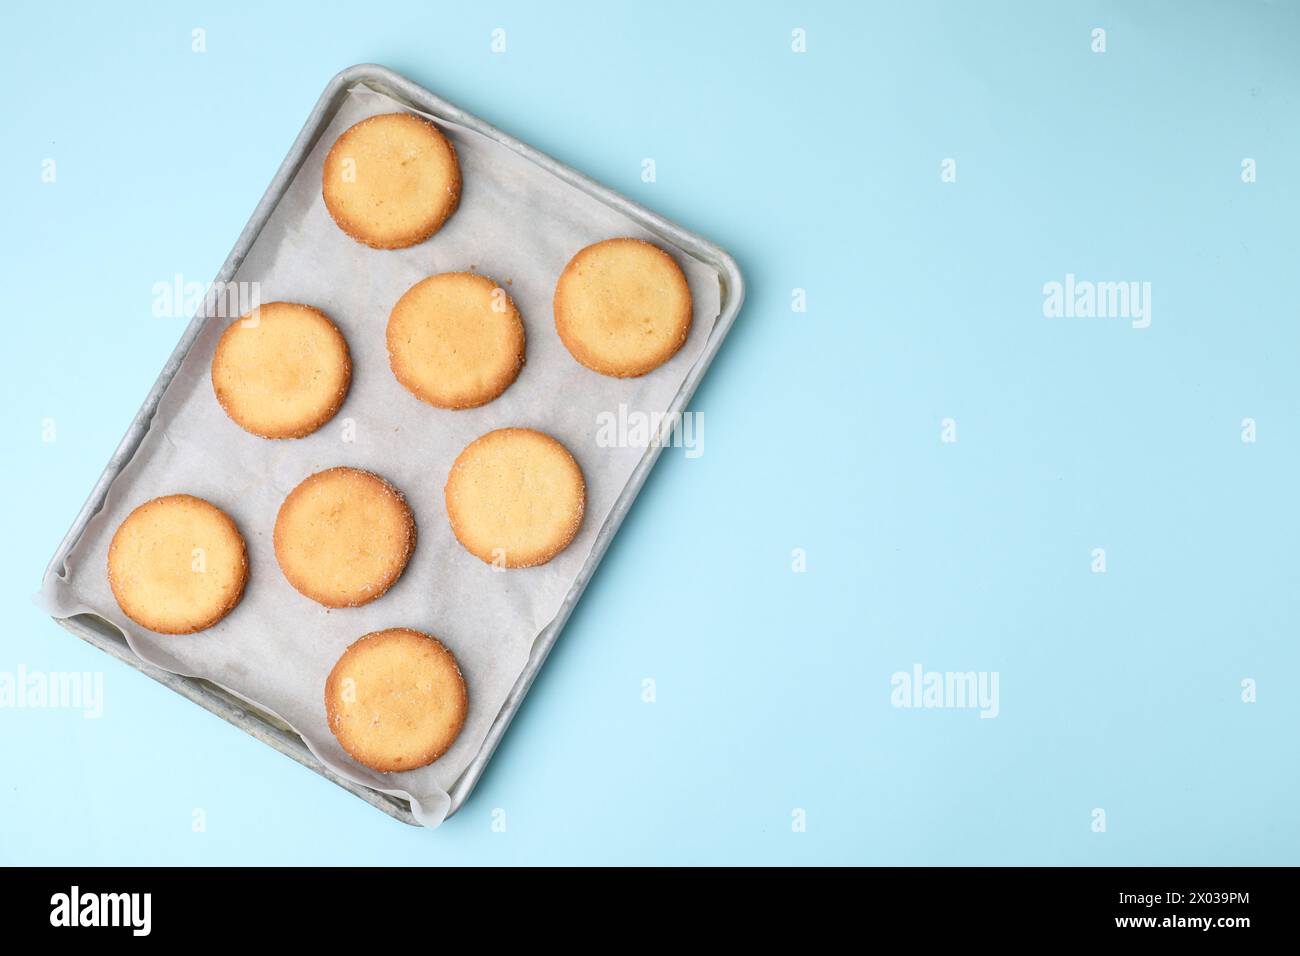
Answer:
(265, 727)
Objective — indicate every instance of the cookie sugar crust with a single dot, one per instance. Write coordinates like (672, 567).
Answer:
(343, 537)
(281, 371)
(391, 181)
(396, 700)
(515, 497)
(177, 564)
(455, 340)
(622, 307)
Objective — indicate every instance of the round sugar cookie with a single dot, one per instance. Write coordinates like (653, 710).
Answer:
(391, 180)
(622, 307)
(515, 497)
(396, 700)
(456, 340)
(177, 564)
(282, 371)
(344, 536)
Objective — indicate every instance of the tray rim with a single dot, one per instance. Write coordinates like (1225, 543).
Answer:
(262, 726)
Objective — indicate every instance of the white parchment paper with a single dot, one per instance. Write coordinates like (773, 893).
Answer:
(517, 224)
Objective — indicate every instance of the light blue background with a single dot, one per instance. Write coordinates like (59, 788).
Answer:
(818, 171)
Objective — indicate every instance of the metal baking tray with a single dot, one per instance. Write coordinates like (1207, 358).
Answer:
(104, 635)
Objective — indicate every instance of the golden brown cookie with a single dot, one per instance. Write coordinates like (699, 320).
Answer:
(177, 564)
(455, 340)
(391, 180)
(515, 497)
(343, 537)
(622, 307)
(396, 700)
(281, 371)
